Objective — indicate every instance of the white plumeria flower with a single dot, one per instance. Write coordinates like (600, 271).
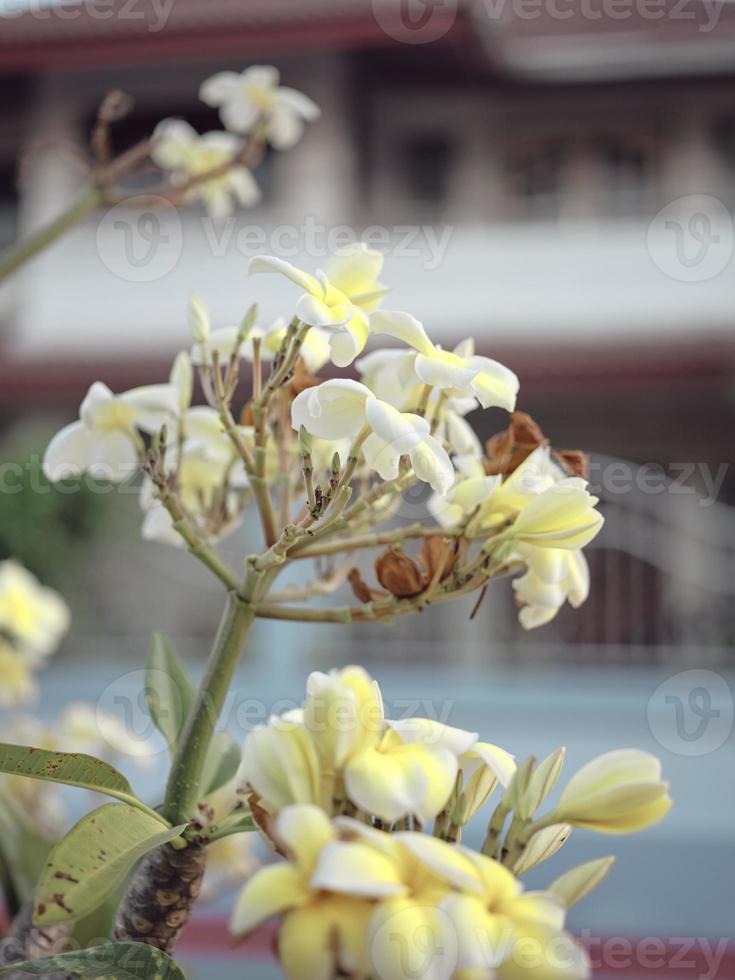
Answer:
(383, 774)
(563, 516)
(554, 576)
(33, 618)
(495, 500)
(103, 442)
(255, 95)
(342, 298)
(554, 517)
(483, 765)
(461, 370)
(389, 373)
(341, 408)
(186, 154)
(281, 764)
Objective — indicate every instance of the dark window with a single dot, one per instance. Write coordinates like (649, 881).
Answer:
(426, 165)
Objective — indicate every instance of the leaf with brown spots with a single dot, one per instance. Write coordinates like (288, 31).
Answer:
(121, 961)
(70, 768)
(77, 878)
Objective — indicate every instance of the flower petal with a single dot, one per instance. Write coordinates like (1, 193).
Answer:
(403, 327)
(432, 465)
(388, 785)
(284, 127)
(270, 891)
(401, 430)
(172, 143)
(356, 869)
(269, 263)
(304, 831)
(154, 405)
(426, 731)
(347, 343)
(298, 102)
(316, 941)
(113, 457)
(354, 269)
(445, 860)
(333, 410)
(494, 384)
(381, 457)
(221, 87)
(443, 370)
(69, 452)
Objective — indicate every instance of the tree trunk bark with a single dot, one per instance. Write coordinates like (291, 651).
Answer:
(160, 897)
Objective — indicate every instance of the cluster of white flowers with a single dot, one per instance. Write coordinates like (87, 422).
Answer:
(344, 795)
(212, 166)
(33, 620)
(405, 418)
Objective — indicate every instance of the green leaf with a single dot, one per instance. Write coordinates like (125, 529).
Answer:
(573, 885)
(223, 760)
(111, 961)
(96, 927)
(70, 768)
(93, 859)
(169, 691)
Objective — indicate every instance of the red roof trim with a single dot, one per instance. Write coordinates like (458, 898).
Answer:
(60, 383)
(200, 42)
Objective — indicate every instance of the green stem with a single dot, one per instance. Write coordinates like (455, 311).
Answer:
(375, 540)
(188, 764)
(17, 255)
(196, 545)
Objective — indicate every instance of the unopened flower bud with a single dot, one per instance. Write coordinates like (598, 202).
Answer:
(248, 322)
(304, 442)
(617, 793)
(198, 319)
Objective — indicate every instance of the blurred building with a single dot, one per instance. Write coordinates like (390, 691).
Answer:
(554, 179)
